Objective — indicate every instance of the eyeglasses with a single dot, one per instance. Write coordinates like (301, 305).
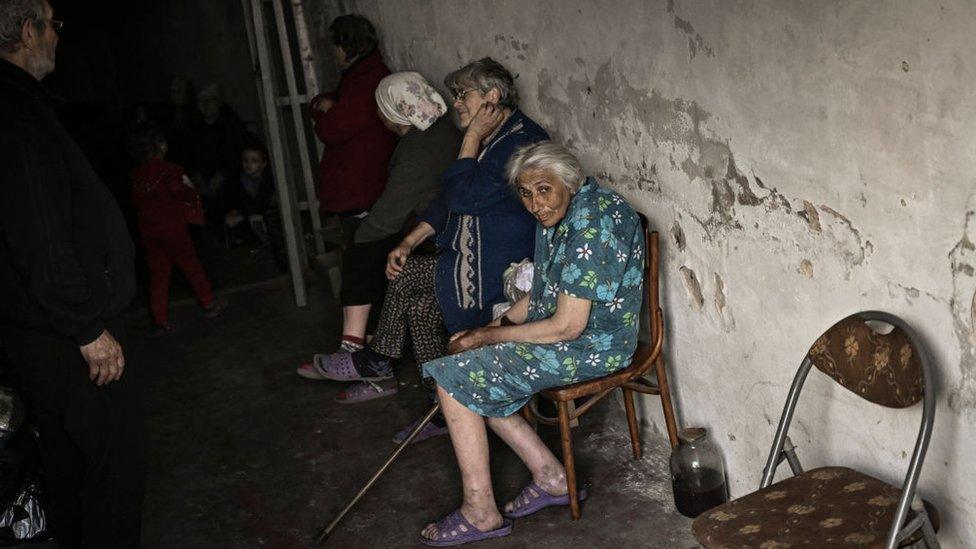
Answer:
(55, 24)
(460, 95)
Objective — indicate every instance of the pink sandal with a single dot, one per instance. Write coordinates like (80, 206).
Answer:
(335, 367)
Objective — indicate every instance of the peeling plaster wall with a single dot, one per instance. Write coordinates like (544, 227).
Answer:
(802, 161)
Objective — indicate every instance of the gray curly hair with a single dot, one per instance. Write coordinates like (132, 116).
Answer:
(13, 15)
(483, 75)
(547, 155)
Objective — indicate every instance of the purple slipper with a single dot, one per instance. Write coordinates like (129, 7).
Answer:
(340, 367)
(367, 390)
(454, 529)
(429, 431)
(533, 498)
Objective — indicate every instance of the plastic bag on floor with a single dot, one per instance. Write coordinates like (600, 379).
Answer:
(22, 516)
(11, 414)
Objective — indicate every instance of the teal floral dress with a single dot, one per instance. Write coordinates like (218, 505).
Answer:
(595, 253)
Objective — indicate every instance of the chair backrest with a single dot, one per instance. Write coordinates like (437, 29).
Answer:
(890, 369)
(651, 279)
(883, 368)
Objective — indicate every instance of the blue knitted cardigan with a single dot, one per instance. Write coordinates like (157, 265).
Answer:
(482, 227)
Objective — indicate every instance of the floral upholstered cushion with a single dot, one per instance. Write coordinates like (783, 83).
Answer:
(882, 368)
(826, 507)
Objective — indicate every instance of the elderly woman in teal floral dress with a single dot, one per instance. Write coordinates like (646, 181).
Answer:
(579, 322)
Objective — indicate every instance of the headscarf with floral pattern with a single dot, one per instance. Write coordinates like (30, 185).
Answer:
(406, 98)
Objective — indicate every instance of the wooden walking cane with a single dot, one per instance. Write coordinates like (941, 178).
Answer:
(323, 534)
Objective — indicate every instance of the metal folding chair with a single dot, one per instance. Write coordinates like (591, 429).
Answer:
(837, 506)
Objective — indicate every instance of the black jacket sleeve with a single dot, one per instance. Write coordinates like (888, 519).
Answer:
(36, 213)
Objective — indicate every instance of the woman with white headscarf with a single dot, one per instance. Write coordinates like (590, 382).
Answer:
(429, 142)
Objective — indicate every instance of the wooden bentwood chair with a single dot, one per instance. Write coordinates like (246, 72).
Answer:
(630, 379)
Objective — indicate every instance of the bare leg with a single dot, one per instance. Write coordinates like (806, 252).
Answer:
(470, 440)
(354, 318)
(547, 471)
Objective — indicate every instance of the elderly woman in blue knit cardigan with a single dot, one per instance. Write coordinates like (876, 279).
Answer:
(480, 226)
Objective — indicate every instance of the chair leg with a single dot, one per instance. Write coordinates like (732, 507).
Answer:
(632, 422)
(566, 435)
(662, 383)
(928, 535)
(571, 408)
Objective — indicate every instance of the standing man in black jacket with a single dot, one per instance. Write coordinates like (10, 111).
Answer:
(66, 274)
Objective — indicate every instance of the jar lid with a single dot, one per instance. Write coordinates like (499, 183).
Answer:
(691, 434)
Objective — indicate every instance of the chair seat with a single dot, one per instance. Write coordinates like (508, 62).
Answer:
(638, 366)
(825, 507)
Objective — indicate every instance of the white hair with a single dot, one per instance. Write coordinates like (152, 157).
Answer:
(547, 155)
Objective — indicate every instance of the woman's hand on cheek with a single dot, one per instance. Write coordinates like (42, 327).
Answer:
(486, 120)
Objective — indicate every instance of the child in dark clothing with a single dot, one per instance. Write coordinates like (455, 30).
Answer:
(251, 216)
(249, 197)
(165, 201)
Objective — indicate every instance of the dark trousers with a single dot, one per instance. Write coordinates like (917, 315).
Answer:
(364, 269)
(364, 272)
(93, 439)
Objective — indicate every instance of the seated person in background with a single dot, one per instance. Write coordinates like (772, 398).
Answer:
(411, 109)
(251, 214)
(165, 201)
(213, 142)
(579, 322)
(481, 228)
(248, 198)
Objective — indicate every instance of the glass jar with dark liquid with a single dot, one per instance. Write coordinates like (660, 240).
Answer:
(697, 473)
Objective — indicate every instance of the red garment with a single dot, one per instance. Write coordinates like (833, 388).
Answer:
(352, 173)
(160, 198)
(162, 251)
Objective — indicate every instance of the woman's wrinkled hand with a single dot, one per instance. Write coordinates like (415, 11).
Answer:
(468, 340)
(396, 260)
(486, 121)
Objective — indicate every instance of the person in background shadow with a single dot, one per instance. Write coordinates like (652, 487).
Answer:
(66, 276)
(214, 143)
(177, 116)
(251, 211)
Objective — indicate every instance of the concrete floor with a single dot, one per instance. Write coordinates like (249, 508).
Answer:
(247, 454)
